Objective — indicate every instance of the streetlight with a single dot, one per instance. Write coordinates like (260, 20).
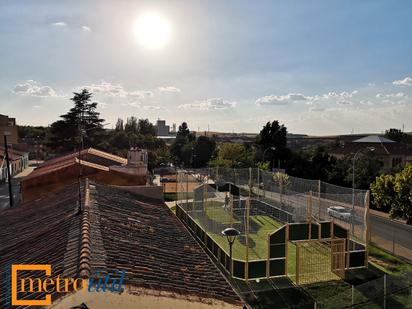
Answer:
(371, 149)
(231, 234)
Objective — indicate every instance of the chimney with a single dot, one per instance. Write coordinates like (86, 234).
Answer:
(137, 157)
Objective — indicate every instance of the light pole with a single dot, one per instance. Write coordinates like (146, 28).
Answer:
(231, 234)
(371, 149)
(6, 150)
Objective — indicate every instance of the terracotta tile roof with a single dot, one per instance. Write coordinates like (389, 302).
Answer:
(152, 245)
(46, 231)
(90, 157)
(116, 231)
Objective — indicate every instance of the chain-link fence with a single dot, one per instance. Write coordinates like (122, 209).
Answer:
(300, 200)
(259, 204)
(384, 292)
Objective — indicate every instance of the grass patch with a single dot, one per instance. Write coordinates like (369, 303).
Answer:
(388, 263)
(325, 293)
(258, 241)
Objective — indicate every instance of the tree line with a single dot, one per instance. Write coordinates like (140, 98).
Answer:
(82, 126)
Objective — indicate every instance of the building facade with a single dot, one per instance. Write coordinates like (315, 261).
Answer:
(162, 128)
(389, 152)
(8, 127)
(19, 161)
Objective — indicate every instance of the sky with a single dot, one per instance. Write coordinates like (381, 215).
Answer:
(318, 67)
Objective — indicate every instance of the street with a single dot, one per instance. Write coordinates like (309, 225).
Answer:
(393, 236)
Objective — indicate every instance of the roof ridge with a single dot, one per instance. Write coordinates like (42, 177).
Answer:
(107, 155)
(85, 243)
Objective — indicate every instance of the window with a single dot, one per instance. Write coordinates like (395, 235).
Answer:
(396, 161)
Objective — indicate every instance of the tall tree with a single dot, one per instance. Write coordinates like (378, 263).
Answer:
(131, 125)
(273, 139)
(232, 155)
(183, 130)
(119, 125)
(145, 127)
(395, 135)
(82, 119)
(203, 151)
(395, 192)
(182, 147)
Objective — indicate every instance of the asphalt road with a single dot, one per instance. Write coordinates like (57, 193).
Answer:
(395, 237)
(391, 235)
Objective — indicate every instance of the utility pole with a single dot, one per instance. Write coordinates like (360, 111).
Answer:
(8, 169)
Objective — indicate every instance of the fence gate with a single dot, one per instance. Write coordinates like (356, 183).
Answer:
(319, 260)
(338, 249)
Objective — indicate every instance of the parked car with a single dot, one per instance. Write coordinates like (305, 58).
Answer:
(339, 212)
(165, 179)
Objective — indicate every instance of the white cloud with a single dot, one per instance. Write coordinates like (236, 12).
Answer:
(344, 102)
(34, 89)
(210, 104)
(110, 90)
(86, 28)
(407, 81)
(140, 94)
(340, 95)
(107, 89)
(392, 95)
(169, 89)
(366, 102)
(132, 104)
(152, 107)
(281, 99)
(59, 24)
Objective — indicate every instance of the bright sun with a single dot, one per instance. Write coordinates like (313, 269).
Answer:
(152, 30)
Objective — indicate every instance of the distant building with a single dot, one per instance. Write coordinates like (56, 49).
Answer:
(162, 128)
(391, 153)
(8, 127)
(19, 161)
(36, 149)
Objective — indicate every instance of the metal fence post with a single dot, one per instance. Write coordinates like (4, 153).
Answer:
(258, 183)
(411, 295)
(384, 291)
(353, 296)
(393, 241)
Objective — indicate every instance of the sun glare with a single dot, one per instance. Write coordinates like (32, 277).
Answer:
(152, 30)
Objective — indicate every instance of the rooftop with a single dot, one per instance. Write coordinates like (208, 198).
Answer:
(141, 237)
(89, 157)
(373, 139)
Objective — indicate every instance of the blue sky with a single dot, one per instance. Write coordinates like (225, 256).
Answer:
(319, 67)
